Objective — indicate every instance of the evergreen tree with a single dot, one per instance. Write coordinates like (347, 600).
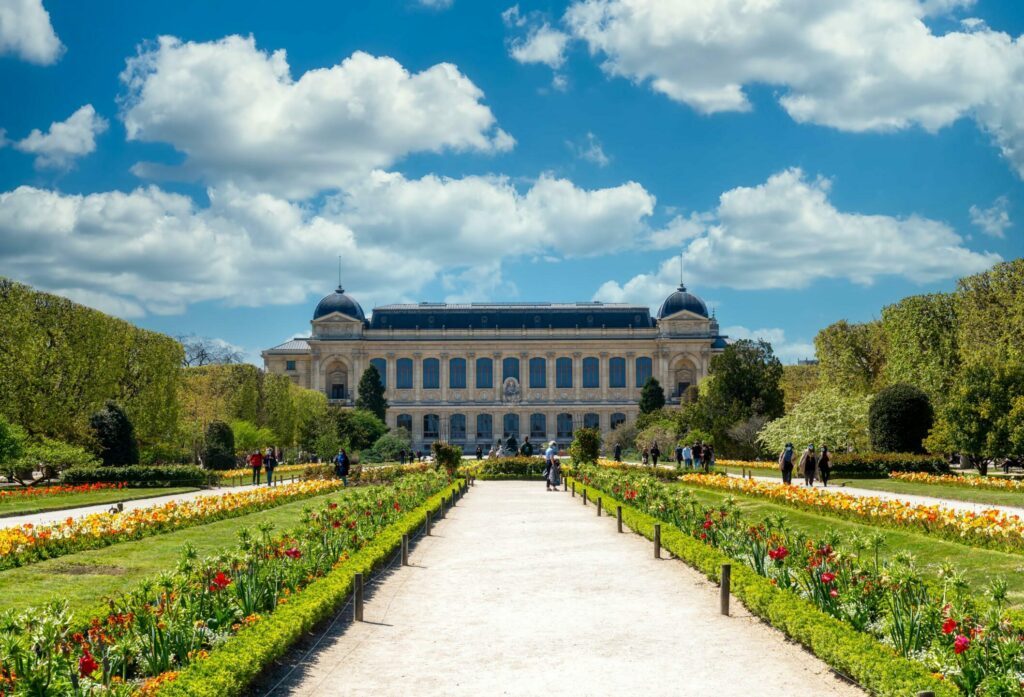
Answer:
(652, 396)
(371, 393)
(220, 446)
(114, 436)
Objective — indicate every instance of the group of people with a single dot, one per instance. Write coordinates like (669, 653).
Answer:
(552, 467)
(808, 466)
(410, 457)
(263, 461)
(697, 456)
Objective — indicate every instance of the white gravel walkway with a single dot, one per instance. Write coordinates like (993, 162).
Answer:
(524, 592)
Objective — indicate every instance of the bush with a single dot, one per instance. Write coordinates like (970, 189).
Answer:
(163, 454)
(358, 428)
(219, 453)
(114, 436)
(388, 447)
(140, 475)
(507, 468)
(447, 456)
(899, 419)
(586, 446)
(52, 456)
(881, 464)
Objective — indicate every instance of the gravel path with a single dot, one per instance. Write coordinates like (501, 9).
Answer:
(524, 592)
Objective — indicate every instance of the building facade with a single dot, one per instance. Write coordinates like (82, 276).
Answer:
(473, 373)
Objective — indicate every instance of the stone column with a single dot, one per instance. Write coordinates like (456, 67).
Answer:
(443, 371)
(417, 381)
(315, 380)
(392, 374)
(577, 376)
(471, 376)
(549, 367)
(630, 375)
(496, 375)
(605, 375)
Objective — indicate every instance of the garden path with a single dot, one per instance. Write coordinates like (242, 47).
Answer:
(525, 592)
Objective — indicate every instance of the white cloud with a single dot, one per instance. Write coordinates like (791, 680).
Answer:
(678, 230)
(542, 44)
(239, 116)
(786, 350)
(513, 18)
(873, 65)
(436, 4)
(26, 32)
(590, 150)
(994, 220)
(66, 141)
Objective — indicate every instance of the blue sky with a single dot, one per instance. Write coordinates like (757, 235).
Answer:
(808, 162)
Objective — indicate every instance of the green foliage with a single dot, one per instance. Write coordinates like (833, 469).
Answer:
(326, 442)
(506, 468)
(881, 464)
(51, 456)
(663, 432)
(114, 436)
(220, 447)
(371, 393)
(163, 454)
(652, 396)
(695, 434)
(249, 437)
(311, 411)
(624, 436)
(984, 416)
(852, 356)
(388, 447)
(585, 446)
(899, 419)
(747, 376)
(12, 442)
(358, 428)
(140, 475)
(447, 456)
(829, 416)
(797, 382)
(990, 315)
(921, 343)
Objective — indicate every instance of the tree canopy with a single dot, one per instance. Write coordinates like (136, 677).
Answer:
(652, 396)
(371, 393)
(851, 356)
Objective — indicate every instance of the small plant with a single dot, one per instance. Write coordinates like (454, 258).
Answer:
(586, 446)
(447, 456)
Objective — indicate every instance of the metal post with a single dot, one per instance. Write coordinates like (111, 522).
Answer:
(598, 506)
(405, 550)
(574, 489)
(565, 484)
(724, 589)
(428, 522)
(618, 516)
(657, 541)
(584, 497)
(357, 584)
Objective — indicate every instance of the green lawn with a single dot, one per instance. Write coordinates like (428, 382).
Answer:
(17, 505)
(85, 578)
(980, 565)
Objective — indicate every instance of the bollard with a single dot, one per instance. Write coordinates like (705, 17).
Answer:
(599, 506)
(618, 516)
(428, 523)
(405, 550)
(657, 541)
(574, 489)
(357, 589)
(584, 497)
(724, 587)
(565, 484)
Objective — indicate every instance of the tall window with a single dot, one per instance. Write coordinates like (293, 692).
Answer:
(564, 422)
(381, 364)
(484, 427)
(591, 372)
(431, 373)
(643, 370)
(457, 373)
(403, 379)
(484, 373)
(617, 372)
(509, 368)
(592, 420)
(538, 426)
(404, 421)
(457, 427)
(511, 425)
(563, 372)
(538, 372)
(617, 420)
(431, 425)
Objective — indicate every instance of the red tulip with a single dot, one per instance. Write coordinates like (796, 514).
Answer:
(293, 553)
(961, 644)
(828, 577)
(220, 582)
(87, 665)
(949, 626)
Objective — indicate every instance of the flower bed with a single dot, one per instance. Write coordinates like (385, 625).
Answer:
(33, 492)
(967, 482)
(279, 471)
(868, 465)
(211, 625)
(877, 621)
(991, 528)
(28, 543)
(506, 468)
(667, 473)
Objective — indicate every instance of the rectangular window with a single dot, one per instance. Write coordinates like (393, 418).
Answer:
(457, 373)
(484, 427)
(591, 372)
(403, 379)
(289, 365)
(431, 374)
(643, 370)
(563, 373)
(617, 372)
(484, 373)
(538, 372)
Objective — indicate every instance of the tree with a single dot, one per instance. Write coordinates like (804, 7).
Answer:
(12, 447)
(114, 436)
(311, 410)
(652, 396)
(744, 434)
(219, 453)
(990, 315)
(200, 350)
(388, 447)
(585, 446)
(851, 356)
(249, 437)
(984, 416)
(830, 416)
(371, 393)
(51, 456)
(358, 428)
(747, 376)
(796, 382)
(899, 419)
(921, 343)
(661, 432)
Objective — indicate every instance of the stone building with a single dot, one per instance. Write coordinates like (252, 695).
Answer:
(473, 373)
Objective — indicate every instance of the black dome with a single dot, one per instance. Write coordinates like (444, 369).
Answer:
(682, 300)
(338, 301)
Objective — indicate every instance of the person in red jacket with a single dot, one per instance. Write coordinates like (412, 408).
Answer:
(256, 463)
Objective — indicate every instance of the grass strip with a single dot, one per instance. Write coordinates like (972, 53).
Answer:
(28, 506)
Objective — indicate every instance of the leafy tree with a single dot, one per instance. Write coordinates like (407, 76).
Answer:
(744, 434)
(796, 382)
(990, 315)
(249, 437)
(371, 393)
(12, 447)
(830, 416)
(984, 416)
(852, 356)
(586, 445)
(388, 447)
(921, 343)
(358, 428)
(747, 378)
(311, 410)
(51, 456)
(899, 419)
(219, 453)
(663, 433)
(652, 396)
(114, 436)
(624, 436)
(326, 443)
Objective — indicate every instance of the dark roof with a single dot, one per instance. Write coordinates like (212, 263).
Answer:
(682, 300)
(719, 342)
(585, 315)
(339, 301)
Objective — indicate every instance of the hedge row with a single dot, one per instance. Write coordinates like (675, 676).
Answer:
(231, 667)
(141, 475)
(876, 667)
(506, 468)
(881, 464)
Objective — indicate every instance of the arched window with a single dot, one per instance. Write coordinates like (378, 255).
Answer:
(617, 372)
(431, 373)
(431, 425)
(564, 422)
(591, 372)
(617, 420)
(538, 372)
(457, 427)
(457, 373)
(643, 370)
(538, 426)
(592, 420)
(484, 373)
(510, 368)
(404, 421)
(403, 379)
(484, 427)
(381, 364)
(511, 425)
(563, 372)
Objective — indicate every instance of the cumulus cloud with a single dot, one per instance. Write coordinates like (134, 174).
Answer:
(441, 4)
(787, 350)
(994, 220)
(26, 32)
(590, 150)
(873, 65)
(542, 44)
(66, 141)
(239, 116)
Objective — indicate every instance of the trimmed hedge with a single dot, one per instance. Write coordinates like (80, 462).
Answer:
(876, 667)
(141, 475)
(507, 468)
(881, 464)
(231, 667)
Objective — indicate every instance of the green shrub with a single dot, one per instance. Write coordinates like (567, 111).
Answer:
(388, 447)
(586, 446)
(52, 456)
(528, 468)
(899, 419)
(140, 475)
(447, 456)
(220, 446)
(114, 436)
(881, 464)
(163, 454)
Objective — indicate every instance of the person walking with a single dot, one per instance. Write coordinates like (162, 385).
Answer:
(655, 453)
(688, 457)
(401, 456)
(555, 474)
(550, 455)
(342, 465)
(256, 463)
(527, 448)
(679, 456)
(786, 463)
(698, 452)
(645, 456)
(617, 453)
(709, 457)
(824, 465)
(807, 462)
(479, 452)
(269, 463)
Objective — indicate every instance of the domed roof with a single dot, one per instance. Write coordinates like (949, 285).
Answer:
(682, 300)
(339, 301)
